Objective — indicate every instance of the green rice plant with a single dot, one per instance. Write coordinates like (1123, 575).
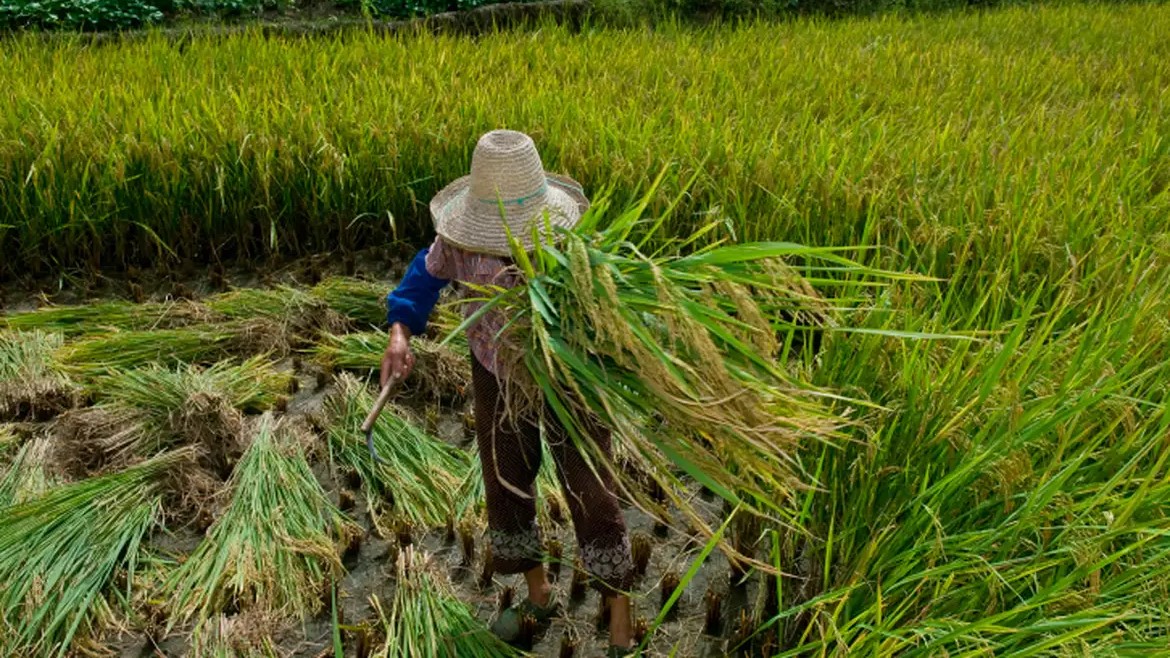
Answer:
(442, 371)
(60, 553)
(200, 344)
(1013, 498)
(1000, 136)
(274, 547)
(427, 619)
(418, 475)
(30, 474)
(31, 388)
(103, 316)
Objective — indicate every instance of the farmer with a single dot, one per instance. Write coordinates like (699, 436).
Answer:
(471, 247)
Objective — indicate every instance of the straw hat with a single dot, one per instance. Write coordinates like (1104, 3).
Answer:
(505, 170)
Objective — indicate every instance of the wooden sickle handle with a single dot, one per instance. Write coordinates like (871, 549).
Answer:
(383, 398)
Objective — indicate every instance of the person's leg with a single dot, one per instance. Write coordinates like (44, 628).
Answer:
(510, 455)
(510, 460)
(602, 540)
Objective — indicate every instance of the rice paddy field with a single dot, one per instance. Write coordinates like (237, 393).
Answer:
(197, 235)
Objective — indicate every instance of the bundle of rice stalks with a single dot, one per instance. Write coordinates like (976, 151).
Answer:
(427, 619)
(30, 474)
(299, 314)
(103, 316)
(441, 371)
(144, 410)
(250, 386)
(418, 476)
(247, 635)
(30, 387)
(274, 546)
(362, 302)
(60, 552)
(675, 352)
(200, 344)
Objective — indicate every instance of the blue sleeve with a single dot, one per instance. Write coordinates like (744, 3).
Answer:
(415, 297)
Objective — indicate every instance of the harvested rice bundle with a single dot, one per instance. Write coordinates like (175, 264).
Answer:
(427, 619)
(251, 386)
(30, 387)
(144, 410)
(10, 442)
(299, 314)
(274, 546)
(441, 371)
(60, 552)
(201, 344)
(676, 353)
(362, 302)
(247, 635)
(418, 476)
(30, 474)
(103, 316)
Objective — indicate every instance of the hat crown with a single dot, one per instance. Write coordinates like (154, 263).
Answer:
(506, 167)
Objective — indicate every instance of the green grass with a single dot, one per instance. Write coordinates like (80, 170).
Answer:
(275, 545)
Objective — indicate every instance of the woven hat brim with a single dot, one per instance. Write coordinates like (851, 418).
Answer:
(478, 227)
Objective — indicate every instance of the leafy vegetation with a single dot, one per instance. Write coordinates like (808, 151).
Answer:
(886, 132)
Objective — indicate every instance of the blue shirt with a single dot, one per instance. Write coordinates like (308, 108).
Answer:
(415, 297)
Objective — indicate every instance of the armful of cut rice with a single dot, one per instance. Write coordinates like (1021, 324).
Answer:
(678, 353)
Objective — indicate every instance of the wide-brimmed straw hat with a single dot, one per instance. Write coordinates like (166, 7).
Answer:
(506, 171)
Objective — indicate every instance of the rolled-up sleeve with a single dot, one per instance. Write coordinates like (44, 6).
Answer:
(415, 297)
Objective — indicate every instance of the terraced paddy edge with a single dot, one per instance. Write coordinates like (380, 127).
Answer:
(1027, 136)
